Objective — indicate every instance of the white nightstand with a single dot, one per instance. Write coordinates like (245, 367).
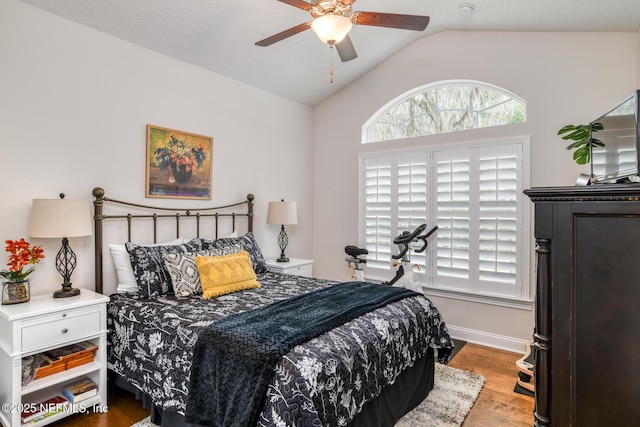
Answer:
(295, 266)
(45, 323)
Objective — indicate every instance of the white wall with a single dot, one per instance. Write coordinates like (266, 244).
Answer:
(74, 106)
(558, 74)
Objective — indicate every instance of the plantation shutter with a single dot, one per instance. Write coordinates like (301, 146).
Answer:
(477, 193)
(453, 174)
(474, 196)
(377, 213)
(413, 200)
(498, 201)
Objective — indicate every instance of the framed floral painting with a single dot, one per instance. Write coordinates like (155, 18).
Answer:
(179, 164)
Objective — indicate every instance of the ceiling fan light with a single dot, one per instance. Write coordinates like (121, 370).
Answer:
(331, 28)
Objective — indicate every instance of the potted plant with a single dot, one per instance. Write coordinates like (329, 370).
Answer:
(581, 135)
(16, 288)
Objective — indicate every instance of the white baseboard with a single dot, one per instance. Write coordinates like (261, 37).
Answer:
(502, 342)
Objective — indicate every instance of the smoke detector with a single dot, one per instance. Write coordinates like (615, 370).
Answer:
(466, 9)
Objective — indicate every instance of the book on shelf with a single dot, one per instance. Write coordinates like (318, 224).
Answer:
(80, 390)
(37, 411)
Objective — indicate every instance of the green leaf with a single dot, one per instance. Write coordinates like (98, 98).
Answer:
(581, 134)
(566, 129)
(577, 144)
(582, 155)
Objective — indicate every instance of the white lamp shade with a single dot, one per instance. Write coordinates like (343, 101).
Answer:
(59, 218)
(331, 28)
(284, 213)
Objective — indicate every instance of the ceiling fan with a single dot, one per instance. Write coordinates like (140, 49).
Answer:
(333, 20)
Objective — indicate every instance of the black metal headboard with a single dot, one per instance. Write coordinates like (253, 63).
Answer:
(153, 213)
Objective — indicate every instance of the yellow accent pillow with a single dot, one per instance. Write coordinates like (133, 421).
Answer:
(224, 274)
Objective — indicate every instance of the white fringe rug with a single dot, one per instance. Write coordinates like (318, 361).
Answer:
(447, 405)
(449, 402)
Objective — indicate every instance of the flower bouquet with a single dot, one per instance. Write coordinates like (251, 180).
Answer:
(16, 288)
(181, 157)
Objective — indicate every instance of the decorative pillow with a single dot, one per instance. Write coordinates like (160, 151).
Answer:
(225, 244)
(225, 274)
(249, 244)
(148, 266)
(184, 272)
(122, 263)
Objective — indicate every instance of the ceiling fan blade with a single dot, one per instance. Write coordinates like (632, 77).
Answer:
(298, 3)
(391, 20)
(284, 34)
(346, 50)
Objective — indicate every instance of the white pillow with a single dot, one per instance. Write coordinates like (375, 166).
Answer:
(122, 262)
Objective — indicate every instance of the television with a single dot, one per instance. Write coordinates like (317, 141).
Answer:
(617, 160)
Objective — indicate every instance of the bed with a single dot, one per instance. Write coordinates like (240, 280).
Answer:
(367, 370)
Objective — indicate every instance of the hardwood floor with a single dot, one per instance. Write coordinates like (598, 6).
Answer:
(497, 406)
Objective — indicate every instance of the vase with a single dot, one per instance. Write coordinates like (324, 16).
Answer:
(181, 175)
(15, 291)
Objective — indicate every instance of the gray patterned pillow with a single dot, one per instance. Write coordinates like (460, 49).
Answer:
(148, 266)
(249, 244)
(184, 272)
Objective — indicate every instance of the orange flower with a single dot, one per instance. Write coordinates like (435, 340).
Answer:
(21, 255)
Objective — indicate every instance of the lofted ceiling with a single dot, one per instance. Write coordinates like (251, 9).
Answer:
(220, 35)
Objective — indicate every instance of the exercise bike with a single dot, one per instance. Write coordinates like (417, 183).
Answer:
(402, 261)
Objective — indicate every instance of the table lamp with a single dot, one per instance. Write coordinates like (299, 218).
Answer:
(282, 213)
(61, 218)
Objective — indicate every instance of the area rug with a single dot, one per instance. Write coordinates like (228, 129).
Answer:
(449, 402)
(447, 405)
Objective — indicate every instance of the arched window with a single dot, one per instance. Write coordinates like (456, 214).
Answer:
(450, 106)
(472, 190)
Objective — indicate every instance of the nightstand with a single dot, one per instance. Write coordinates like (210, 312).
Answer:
(45, 323)
(295, 266)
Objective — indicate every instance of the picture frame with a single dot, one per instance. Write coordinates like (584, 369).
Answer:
(179, 165)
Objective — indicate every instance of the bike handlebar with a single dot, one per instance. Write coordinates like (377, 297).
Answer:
(405, 238)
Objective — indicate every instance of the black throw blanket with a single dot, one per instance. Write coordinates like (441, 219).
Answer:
(234, 358)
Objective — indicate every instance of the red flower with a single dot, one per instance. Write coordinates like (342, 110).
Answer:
(21, 255)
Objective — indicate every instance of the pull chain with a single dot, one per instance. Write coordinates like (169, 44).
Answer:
(331, 69)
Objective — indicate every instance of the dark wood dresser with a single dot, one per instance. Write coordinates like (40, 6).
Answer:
(587, 332)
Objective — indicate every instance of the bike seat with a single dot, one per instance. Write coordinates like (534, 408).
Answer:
(355, 251)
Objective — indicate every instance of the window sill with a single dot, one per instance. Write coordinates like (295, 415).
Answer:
(520, 304)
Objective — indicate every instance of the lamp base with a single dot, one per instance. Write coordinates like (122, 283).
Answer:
(283, 240)
(66, 292)
(65, 264)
